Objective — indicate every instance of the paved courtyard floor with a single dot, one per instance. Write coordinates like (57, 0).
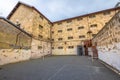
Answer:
(58, 68)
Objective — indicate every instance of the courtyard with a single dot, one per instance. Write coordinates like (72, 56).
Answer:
(58, 68)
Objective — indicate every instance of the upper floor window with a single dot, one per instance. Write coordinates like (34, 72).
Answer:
(41, 17)
(69, 21)
(93, 25)
(40, 27)
(40, 36)
(107, 13)
(39, 47)
(60, 47)
(59, 31)
(70, 29)
(70, 37)
(60, 39)
(92, 16)
(70, 47)
(81, 27)
(59, 23)
(82, 36)
(79, 19)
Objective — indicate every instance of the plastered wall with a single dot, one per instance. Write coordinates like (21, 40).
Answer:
(108, 42)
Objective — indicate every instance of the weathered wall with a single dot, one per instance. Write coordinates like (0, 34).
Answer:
(37, 25)
(108, 42)
(14, 44)
(80, 26)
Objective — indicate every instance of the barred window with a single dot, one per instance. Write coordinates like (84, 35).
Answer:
(70, 47)
(60, 39)
(40, 27)
(82, 36)
(70, 37)
(70, 29)
(69, 21)
(39, 47)
(40, 36)
(59, 31)
(92, 16)
(60, 47)
(81, 27)
(80, 19)
(93, 25)
(107, 13)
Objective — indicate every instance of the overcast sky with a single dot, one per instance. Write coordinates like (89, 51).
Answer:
(56, 10)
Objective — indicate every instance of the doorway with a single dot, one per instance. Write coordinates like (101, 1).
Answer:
(79, 50)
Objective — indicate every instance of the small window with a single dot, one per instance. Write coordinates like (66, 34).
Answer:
(59, 31)
(94, 25)
(93, 35)
(80, 19)
(52, 39)
(40, 27)
(82, 36)
(40, 36)
(107, 13)
(70, 29)
(41, 17)
(70, 47)
(52, 47)
(70, 37)
(59, 39)
(59, 23)
(39, 47)
(60, 47)
(81, 27)
(52, 32)
(92, 16)
(69, 21)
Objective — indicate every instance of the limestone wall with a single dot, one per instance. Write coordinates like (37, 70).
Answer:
(108, 42)
(77, 28)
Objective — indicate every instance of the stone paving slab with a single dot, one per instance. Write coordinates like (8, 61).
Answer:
(58, 68)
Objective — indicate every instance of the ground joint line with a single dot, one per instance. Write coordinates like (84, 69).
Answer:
(57, 72)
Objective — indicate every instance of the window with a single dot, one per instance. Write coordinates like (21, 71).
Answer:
(59, 39)
(59, 31)
(52, 32)
(52, 39)
(70, 47)
(60, 47)
(82, 36)
(59, 23)
(39, 47)
(93, 35)
(40, 36)
(80, 19)
(41, 17)
(70, 37)
(40, 27)
(52, 47)
(92, 16)
(81, 27)
(107, 13)
(70, 29)
(69, 21)
(94, 25)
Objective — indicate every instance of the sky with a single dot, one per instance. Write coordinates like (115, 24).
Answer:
(56, 10)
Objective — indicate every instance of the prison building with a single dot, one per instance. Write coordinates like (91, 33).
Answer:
(65, 37)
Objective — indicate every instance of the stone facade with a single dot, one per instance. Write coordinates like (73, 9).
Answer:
(108, 42)
(15, 44)
(70, 33)
(33, 22)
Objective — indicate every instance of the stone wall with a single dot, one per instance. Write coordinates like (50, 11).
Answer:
(77, 28)
(15, 44)
(108, 42)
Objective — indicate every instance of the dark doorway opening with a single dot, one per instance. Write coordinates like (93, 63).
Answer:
(79, 50)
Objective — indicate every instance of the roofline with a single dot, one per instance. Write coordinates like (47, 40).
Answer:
(15, 26)
(116, 8)
(18, 4)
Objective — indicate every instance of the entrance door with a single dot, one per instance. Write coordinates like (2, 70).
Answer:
(80, 50)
